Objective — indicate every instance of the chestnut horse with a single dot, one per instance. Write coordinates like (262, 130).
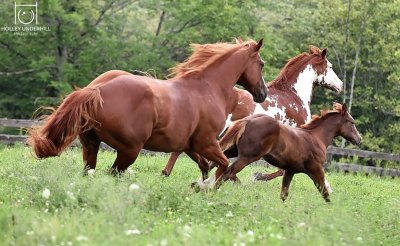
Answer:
(129, 112)
(296, 150)
(289, 95)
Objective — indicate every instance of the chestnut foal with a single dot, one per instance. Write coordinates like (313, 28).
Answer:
(296, 150)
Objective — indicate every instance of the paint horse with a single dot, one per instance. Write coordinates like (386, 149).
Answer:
(289, 96)
(296, 150)
(130, 112)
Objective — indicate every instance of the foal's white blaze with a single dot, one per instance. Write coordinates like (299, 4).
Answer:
(304, 86)
(331, 79)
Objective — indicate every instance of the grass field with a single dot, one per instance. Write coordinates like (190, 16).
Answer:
(105, 210)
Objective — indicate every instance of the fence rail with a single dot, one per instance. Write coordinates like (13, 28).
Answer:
(331, 151)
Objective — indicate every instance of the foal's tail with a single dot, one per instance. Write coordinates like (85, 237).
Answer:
(233, 134)
(76, 114)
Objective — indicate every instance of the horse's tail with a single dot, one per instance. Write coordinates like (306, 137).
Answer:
(75, 115)
(233, 134)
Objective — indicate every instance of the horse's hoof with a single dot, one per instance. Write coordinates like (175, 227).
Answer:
(258, 176)
(196, 186)
(165, 173)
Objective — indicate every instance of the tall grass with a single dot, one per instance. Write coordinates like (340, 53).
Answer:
(105, 210)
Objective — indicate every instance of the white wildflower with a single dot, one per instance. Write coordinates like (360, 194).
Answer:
(133, 187)
(132, 232)
(81, 238)
(229, 214)
(46, 193)
(250, 233)
(301, 224)
(164, 242)
(359, 239)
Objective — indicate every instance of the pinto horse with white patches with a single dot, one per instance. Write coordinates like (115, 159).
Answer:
(297, 150)
(130, 112)
(289, 96)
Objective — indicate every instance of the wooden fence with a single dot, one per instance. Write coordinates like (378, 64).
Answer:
(332, 151)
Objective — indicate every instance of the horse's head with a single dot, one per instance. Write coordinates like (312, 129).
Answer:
(252, 79)
(348, 128)
(326, 77)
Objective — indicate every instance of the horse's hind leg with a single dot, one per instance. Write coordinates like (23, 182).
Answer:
(171, 163)
(236, 167)
(90, 146)
(125, 157)
(287, 178)
(318, 176)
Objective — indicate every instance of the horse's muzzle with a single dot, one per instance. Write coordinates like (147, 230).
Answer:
(261, 94)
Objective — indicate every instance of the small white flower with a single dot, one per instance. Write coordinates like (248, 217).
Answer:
(132, 232)
(250, 233)
(229, 214)
(70, 195)
(301, 224)
(164, 242)
(81, 238)
(359, 239)
(133, 187)
(30, 233)
(91, 172)
(46, 193)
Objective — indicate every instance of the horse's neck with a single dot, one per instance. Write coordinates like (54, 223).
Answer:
(223, 76)
(303, 87)
(327, 129)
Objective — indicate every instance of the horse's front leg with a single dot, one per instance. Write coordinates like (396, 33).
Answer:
(287, 178)
(214, 153)
(318, 176)
(201, 162)
(171, 163)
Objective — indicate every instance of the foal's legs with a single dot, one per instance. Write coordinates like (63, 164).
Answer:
(269, 176)
(236, 167)
(171, 163)
(90, 146)
(287, 178)
(318, 176)
(125, 157)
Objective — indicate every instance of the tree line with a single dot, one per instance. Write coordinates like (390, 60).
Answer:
(89, 37)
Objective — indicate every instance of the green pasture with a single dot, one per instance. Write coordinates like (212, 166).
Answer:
(143, 208)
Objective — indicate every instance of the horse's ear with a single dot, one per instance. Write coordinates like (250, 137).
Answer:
(259, 44)
(323, 54)
(344, 108)
(238, 40)
(313, 49)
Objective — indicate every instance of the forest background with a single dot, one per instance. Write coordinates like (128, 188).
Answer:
(87, 38)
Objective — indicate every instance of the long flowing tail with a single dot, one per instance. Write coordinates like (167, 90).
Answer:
(76, 114)
(233, 134)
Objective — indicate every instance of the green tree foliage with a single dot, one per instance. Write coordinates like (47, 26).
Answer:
(87, 38)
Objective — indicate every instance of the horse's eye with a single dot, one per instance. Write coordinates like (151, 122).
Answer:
(262, 64)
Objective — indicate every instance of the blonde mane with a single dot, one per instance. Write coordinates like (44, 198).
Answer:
(203, 56)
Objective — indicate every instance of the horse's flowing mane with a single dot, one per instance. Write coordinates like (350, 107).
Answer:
(294, 64)
(316, 119)
(203, 56)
